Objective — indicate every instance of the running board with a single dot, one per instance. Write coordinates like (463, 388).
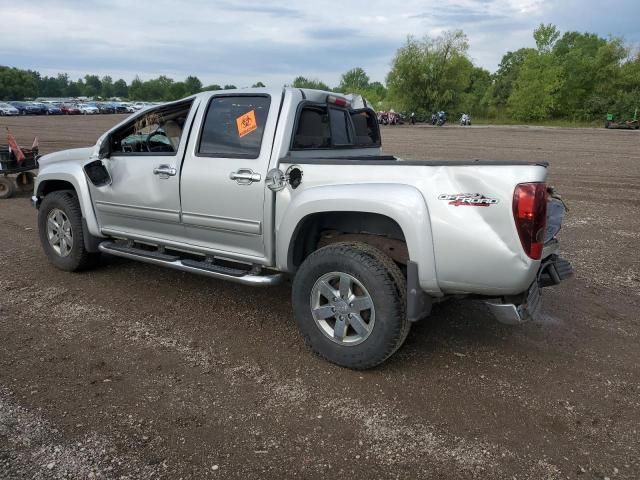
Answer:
(192, 266)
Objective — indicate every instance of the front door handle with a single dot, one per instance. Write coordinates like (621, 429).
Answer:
(245, 176)
(165, 171)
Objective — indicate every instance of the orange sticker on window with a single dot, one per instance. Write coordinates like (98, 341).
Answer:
(246, 123)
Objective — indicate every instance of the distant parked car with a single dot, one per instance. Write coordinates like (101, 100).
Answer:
(120, 108)
(87, 108)
(105, 108)
(70, 109)
(25, 108)
(140, 105)
(6, 109)
(42, 108)
(129, 106)
(52, 109)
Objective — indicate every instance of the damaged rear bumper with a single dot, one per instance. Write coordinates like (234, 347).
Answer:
(527, 306)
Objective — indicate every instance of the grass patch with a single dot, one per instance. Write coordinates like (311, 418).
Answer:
(540, 123)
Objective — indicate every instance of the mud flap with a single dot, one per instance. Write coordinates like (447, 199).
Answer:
(418, 303)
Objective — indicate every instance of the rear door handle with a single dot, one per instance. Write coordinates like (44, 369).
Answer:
(245, 176)
(165, 171)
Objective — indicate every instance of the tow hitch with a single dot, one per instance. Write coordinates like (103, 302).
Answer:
(553, 271)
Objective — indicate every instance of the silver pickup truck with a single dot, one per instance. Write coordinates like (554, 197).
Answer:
(258, 185)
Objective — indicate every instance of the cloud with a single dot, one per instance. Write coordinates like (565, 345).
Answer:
(230, 41)
(273, 10)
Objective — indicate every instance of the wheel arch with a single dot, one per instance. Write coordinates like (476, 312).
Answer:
(308, 234)
(69, 177)
(396, 211)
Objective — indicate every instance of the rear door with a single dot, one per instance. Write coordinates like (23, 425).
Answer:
(143, 198)
(223, 177)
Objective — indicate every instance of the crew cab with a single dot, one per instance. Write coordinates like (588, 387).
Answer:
(258, 185)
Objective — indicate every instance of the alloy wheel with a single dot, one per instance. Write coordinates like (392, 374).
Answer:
(342, 308)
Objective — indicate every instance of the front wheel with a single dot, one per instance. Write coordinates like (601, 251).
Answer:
(349, 304)
(61, 233)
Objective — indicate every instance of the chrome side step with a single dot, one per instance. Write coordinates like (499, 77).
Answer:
(245, 277)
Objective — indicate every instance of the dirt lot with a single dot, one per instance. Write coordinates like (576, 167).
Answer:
(132, 371)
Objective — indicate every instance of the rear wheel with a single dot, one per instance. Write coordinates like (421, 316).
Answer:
(349, 304)
(61, 232)
(7, 187)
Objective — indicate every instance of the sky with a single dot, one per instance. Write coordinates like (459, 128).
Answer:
(273, 41)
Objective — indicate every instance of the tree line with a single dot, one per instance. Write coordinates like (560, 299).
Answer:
(577, 76)
(18, 84)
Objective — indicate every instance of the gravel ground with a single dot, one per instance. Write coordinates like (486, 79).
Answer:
(132, 371)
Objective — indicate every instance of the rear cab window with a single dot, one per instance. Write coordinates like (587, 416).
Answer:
(322, 126)
(233, 126)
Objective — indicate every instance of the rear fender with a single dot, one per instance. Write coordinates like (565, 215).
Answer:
(402, 203)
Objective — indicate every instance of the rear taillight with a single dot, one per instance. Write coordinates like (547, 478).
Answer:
(530, 214)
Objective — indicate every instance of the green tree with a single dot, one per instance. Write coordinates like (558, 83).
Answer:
(63, 82)
(50, 87)
(375, 94)
(211, 87)
(230, 87)
(136, 89)
(192, 85)
(540, 80)
(106, 90)
(545, 37)
(535, 95)
(258, 85)
(303, 82)
(430, 74)
(92, 86)
(176, 91)
(474, 99)
(16, 84)
(505, 77)
(355, 80)
(75, 89)
(120, 89)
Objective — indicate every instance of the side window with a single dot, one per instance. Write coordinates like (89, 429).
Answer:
(367, 131)
(313, 129)
(233, 126)
(157, 131)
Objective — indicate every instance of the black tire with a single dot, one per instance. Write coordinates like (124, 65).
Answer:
(78, 258)
(387, 288)
(7, 187)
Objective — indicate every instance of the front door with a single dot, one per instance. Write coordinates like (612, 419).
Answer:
(223, 178)
(143, 199)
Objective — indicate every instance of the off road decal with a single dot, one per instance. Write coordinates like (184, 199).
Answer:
(246, 123)
(468, 199)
